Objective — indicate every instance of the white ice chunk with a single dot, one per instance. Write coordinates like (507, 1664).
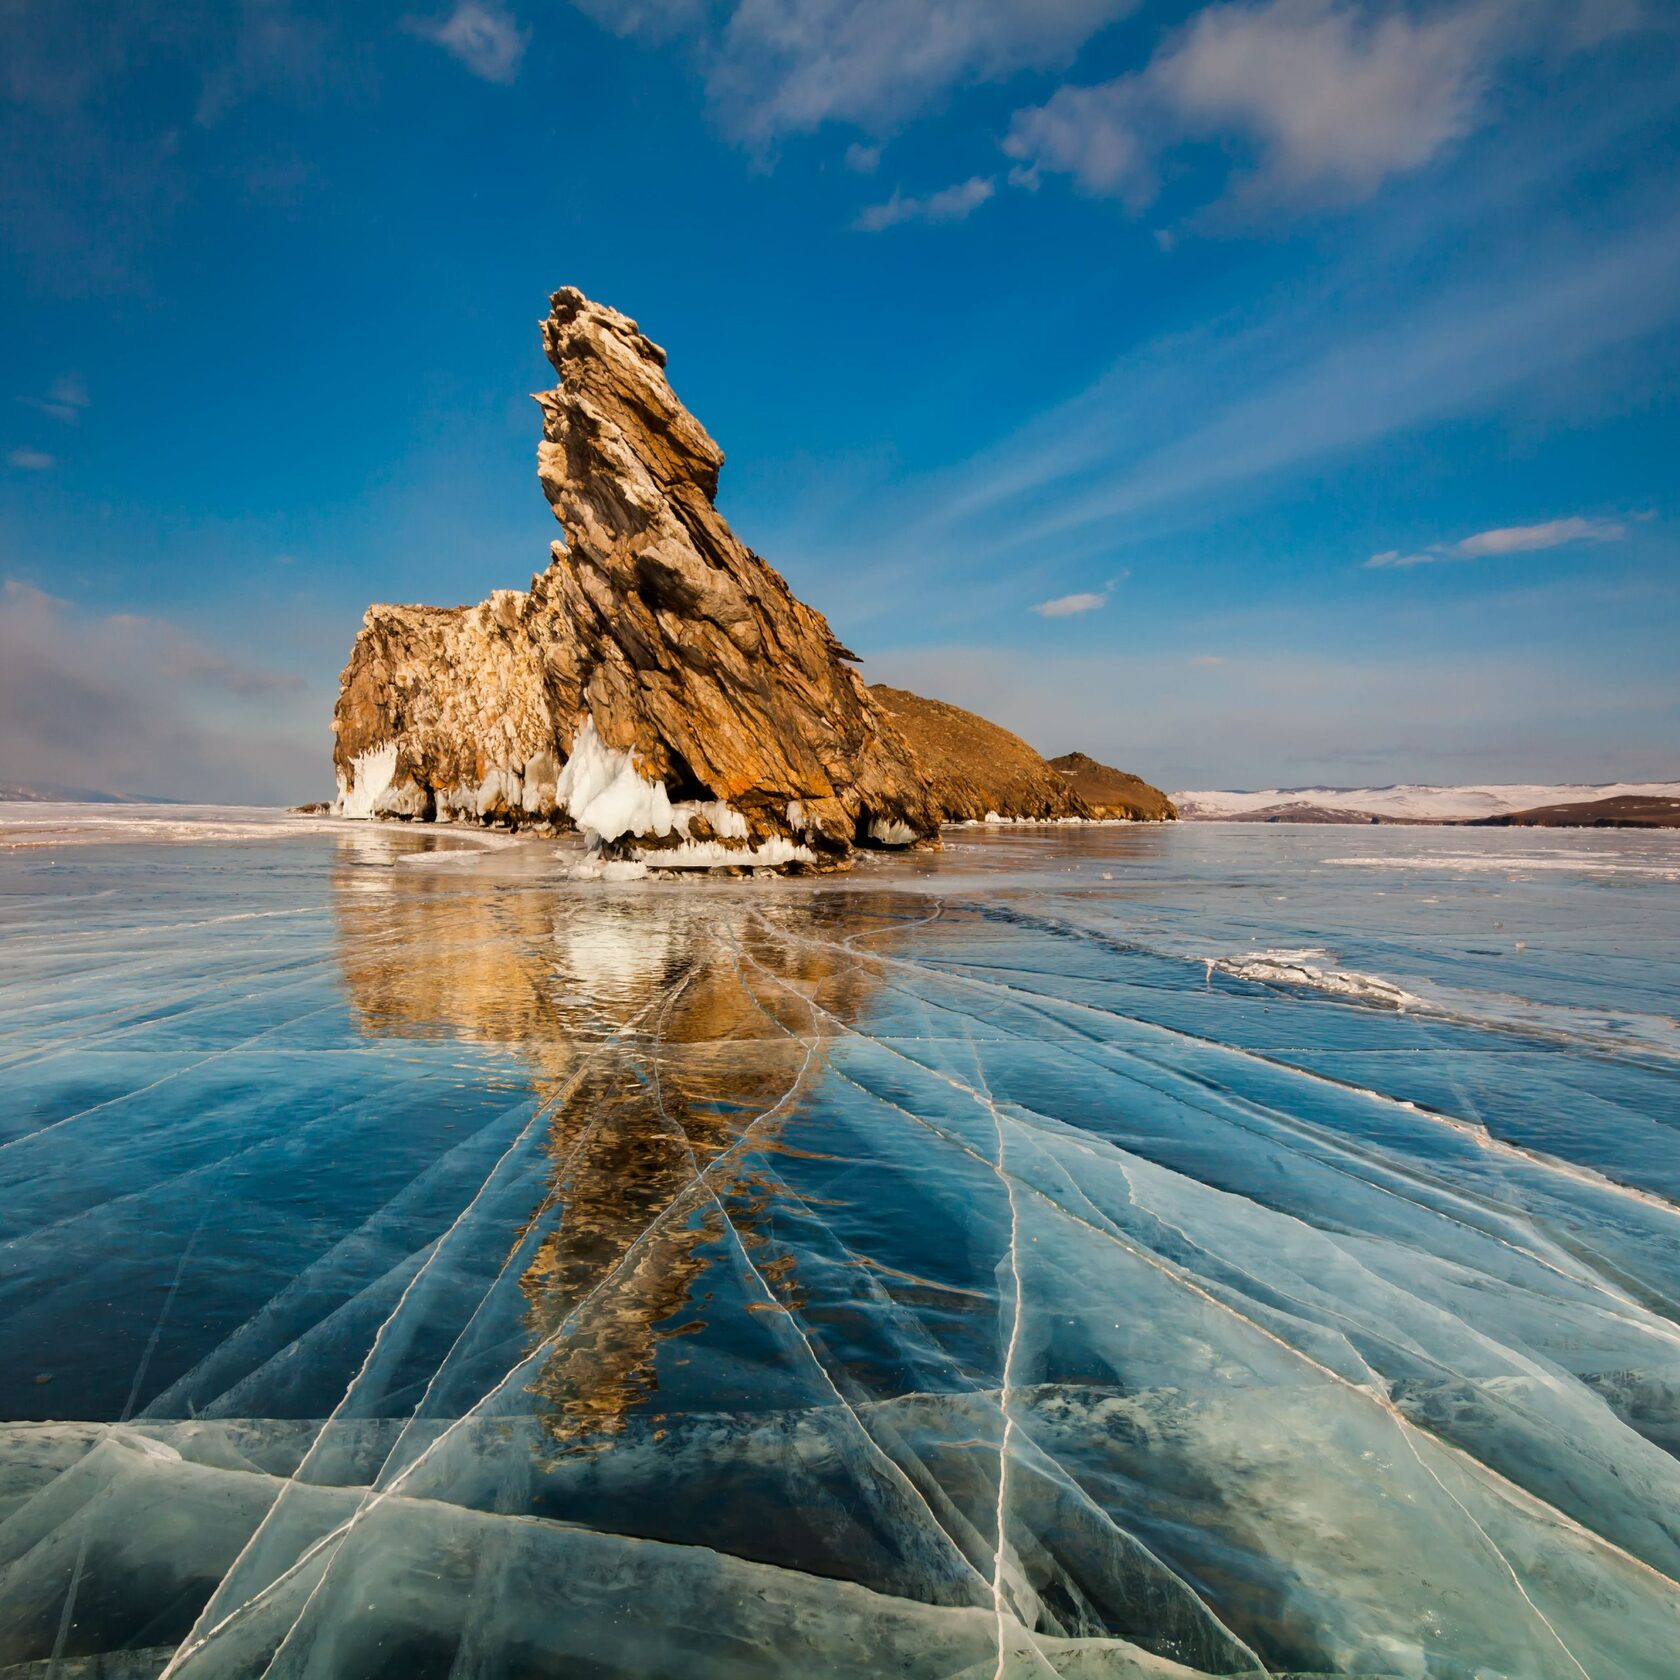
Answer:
(889, 831)
(726, 821)
(1317, 969)
(604, 794)
(370, 778)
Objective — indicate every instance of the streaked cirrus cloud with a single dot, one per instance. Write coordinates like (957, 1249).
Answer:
(1506, 539)
(1069, 606)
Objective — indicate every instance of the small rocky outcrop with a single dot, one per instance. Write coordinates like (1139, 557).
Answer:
(977, 769)
(659, 686)
(1107, 792)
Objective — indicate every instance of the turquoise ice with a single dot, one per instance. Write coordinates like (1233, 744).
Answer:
(1100, 1252)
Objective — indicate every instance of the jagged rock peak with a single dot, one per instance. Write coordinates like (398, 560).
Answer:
(660, 686)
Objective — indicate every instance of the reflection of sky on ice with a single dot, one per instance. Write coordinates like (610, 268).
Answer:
(1110, 1252)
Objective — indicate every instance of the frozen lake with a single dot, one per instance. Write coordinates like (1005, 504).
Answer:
(1120, 1252)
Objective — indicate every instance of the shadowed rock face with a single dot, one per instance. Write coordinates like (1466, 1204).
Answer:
(659, 685)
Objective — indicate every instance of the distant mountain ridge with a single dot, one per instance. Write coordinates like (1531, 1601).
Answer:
(1406, 802)
(50, 793)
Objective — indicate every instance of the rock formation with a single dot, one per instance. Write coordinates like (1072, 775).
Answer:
(977, 769)
(658, 686)
(1107, 792)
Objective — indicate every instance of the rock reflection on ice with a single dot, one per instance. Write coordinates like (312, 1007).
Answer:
(496, 1275)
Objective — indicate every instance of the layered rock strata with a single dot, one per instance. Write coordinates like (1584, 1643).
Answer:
(659, 686)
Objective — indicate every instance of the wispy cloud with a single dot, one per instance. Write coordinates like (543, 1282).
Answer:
(780, 67)
(862, 159)
(1147, 435)
(1069, 606)
(276, 50)
(31, 460)
(1208, 661)
(65, 400)
(1507, 539)
(1521, 539)
(949, 204)
(478, 33)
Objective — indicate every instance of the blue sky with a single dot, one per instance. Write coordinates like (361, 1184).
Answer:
(1249, 393)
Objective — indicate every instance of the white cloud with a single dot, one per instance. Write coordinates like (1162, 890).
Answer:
(31, 460)
(135, 705)
(777, 67)
(480, 34)
(1208, 661)
(1334, 96)
(65, 400)
(1067, 606)
(949, 204)
(1522, 539)
(864, 160)
(1508, 539)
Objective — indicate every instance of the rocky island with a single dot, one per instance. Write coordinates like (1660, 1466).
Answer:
(659, 687)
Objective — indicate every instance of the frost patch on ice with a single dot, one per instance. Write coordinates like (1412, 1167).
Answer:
(370, 777)
(1517, 863)
(889, 831)
(1311, 968)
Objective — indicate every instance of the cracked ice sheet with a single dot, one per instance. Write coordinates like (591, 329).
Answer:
(946, 1271)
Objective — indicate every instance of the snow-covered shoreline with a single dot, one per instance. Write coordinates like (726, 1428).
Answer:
(1406, 801)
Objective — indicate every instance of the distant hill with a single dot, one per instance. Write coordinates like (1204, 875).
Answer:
(1404, 802)
(1113, 793)
(976, 767)
(51, 793)
(1619, 811)
(979, 769)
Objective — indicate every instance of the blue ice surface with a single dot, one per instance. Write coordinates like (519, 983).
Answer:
(1105, 1251)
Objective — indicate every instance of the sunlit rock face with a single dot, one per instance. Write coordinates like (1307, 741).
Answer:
(977, 767)
(717, 715)
(1110, 793)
